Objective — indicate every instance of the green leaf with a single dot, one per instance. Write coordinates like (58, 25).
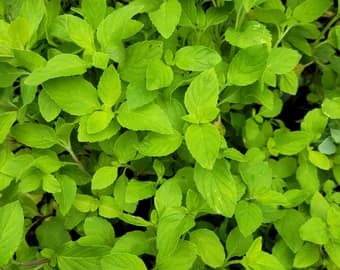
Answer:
(76, 257)
(307, 255)
(122, 261)
(138, 56)
(49, 110)
(125, 146)
(8, 74)
(257, 176)
(247, 66)
(253, 33)
(149, 117)
(158, 145)
(307, 176)
(290, 142)
(288, 228)
(61, 65)
(105, 134)
(331, 108)
(80, 32)
(289, 83)
(310, 10)
(237, 244)
(248, 217)
(7, 119)
(50, 184)
(315, 123)
(158, 75)
(319, 206)
(74, 95)
(217, 187)
(104, 177)
(135, 242)
(52, 234)
(260, 260)
(314, 230)
(333, 250)
(99, 231)
(138, 96)
(98, 121)
(320, 160)
(109, 86)
(108, 207)
(201, 97)
(11, 230)
(66, 197)
(181, 259)
(93, 11)
(196, 58)
(209, 247)
(282, 60)
(166, 18)
(34, 135)
(172, 224)
(333, 221)
(139, 190)
(168, 195)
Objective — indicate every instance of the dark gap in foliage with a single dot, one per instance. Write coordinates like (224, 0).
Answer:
(149, 260)
(143, 208)
(30, 236)
(74, 235)
(295, 108)
(122, 228)
(215, 220)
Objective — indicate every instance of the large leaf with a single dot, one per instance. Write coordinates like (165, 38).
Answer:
(201, 98)
(11, 230)
(149, 117)
(217, 187)
(74, 95)
(122, 261)
(248, 216)
(7, 119)
(76, 257)
(166, 17)
(247, 66)
(209, 247)
(61, 65)
(34, 135)
(196, 58)
(310, 10)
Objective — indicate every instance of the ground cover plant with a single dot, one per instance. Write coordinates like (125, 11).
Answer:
(169, 134)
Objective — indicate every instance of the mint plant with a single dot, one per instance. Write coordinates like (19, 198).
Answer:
(169, 134)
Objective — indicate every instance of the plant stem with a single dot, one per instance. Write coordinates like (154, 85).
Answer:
(326, 28)
(34, 262)
(233, 262)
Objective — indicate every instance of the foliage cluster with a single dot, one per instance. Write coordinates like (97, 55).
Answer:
(169, 134)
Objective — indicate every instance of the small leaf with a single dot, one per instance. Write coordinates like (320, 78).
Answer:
(98, 121)
(11, 230)
(247, 66)
(61, 65)
(104, 177)
(282, 60)
(248, 216)
(314, 230)
(310, 10)
(237, 244)
(122, 261)
(201, 97)
(66, 197)
(196, 58)
(166, 17)
(217, 187)
(208, 137)
(158, 145)
(149, 117)
(109, 86)
(74, 95)
(35, 135)
(7, 119)
(307, 255)
(209, 247)
(49, 110)
(158, 75)
(331, 108)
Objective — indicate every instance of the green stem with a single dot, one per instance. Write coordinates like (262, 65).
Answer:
(233, 262)
(281, 36)
(326, 28)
